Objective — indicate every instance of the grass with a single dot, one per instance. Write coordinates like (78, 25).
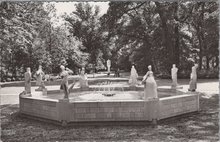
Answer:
(203, 126)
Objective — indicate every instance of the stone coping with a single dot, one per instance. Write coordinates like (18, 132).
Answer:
(92, 101)
(106, 101)
(41, 98)
(78, 101)
(125, 88)
(179, 96)
(57, 82)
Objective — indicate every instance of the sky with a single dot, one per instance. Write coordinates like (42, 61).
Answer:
(68, 7)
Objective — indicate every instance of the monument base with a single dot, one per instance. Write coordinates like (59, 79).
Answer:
(66, 111)
(176, 87)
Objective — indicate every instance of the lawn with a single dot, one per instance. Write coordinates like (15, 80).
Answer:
(203, 126)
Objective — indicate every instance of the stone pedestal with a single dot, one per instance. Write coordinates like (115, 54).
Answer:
(63, 110)
(176, 87)
(133, 88)
(83, 82)
(151, 107)
(44, 91)
(84, 88)
(108, 69)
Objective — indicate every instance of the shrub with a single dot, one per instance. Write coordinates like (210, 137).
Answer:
(208, 74)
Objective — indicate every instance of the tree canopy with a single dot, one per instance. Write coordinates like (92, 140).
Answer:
(141, 33)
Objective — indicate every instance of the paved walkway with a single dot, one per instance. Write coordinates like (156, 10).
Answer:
(10, 95)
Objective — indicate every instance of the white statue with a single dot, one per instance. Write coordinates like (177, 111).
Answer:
(193, 79)
(27, 77)
(40, 81)
(174, 71)
(109, 65)
(133, 77)
(150, 85)
(83, 79)
(64, 83)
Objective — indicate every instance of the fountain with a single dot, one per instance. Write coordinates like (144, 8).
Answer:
(108, 90)
(108, 99)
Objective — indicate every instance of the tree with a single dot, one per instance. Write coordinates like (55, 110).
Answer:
(84, 25)
(19, 25)
(162, 33)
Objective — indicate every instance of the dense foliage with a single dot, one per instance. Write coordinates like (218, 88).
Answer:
(140, 33)
(162, 34)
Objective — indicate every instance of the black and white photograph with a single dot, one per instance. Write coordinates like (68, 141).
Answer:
(109, 71)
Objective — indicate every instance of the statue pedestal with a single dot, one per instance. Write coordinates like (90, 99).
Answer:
(151, 107)
(63, 110)
(176, 87)
(84, 88)
(25, 94)
(44, 91)
(84, 84)
(133, 87)
(39, 89)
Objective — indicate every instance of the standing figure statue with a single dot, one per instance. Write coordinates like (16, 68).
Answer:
(40, 74)
(133, 76)
(109, 66)
(174, 71)
(27, 77)
(193, 79)
(150, 85)
(83, 79)
(64, 83)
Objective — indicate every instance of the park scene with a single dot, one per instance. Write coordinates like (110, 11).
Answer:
(109, 71)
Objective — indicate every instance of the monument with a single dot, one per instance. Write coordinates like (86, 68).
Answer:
(133, 77)
(108, 66)
(27, 77)
(174, 71)
(39, 75)
(64, 83)
(110, 99)
(83, 79)
(150, 85)
(193, 79)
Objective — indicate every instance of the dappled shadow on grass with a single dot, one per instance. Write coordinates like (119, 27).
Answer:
(203, 125)
(191, 127)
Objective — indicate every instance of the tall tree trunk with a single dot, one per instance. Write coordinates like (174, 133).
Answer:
(207, 62)
(200, 51)
(217, 62)
(165, 34)
(148, 53)
(176, 49)
(201, 35)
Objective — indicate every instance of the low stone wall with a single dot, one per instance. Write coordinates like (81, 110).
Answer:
(177, 105)
(111, 111)
(39, 107)
(82, 111)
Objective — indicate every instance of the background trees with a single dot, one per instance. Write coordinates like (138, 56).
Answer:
(162, 34)
(28, 38)
(143, 33)
(84, 25)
